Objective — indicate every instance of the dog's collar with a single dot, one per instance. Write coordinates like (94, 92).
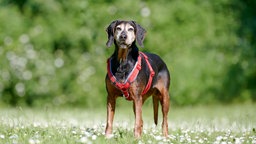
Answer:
(124, 87)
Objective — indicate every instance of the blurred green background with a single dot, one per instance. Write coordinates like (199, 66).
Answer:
(53, 52)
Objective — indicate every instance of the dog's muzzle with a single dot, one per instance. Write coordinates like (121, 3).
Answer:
(123, 37)
(122, 41)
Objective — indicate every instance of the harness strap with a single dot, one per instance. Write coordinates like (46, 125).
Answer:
(132, 76)
(124, 87)
(152, 73)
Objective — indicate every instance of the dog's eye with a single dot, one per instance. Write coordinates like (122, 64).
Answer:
(118, 29)
(130, 29)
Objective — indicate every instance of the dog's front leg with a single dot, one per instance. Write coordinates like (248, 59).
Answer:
(137, 107)
(111, 104)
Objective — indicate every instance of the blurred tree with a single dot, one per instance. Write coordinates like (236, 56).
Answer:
(54, 53)
(247, 35)
(241, 74)
(20, 3)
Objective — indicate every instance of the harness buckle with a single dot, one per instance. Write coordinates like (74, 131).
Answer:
(139, 67)
(152, 73)
(126, 96)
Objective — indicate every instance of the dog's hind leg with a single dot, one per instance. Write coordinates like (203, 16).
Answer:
(165, 108)
(162, 94)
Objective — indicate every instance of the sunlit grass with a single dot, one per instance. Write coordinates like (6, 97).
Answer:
(201, 124)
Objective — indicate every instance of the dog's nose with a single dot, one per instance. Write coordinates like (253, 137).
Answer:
(123, 36)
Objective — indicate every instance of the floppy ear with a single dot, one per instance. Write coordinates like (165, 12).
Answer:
(110, 31)
(140, 34)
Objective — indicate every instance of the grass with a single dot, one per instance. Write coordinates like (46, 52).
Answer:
(201, 124)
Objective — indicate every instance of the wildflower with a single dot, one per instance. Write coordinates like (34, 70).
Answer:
(166, 140)
(2, 136)
(83, 140)
(189, 139)
(33, 141)
(94, 137)
(13, 136)
(225, 138)
(36, 124)
(158, 138)
(239, 140)
(172, 137)
(182, 139)
(145, 131)
(219, 138)
(88, 134)
(201, 141)
(73, 132)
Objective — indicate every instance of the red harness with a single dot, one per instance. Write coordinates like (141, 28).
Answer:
(124, 87)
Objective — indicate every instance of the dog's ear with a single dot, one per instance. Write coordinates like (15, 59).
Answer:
(140, 34)
(110, 31)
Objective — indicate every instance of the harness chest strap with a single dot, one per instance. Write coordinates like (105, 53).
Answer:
(132, 76)
(124, 87)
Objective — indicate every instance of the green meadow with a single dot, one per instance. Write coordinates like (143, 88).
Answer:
(200, 124)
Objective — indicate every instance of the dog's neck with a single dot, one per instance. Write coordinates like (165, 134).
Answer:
(123, 61)
(122, 54)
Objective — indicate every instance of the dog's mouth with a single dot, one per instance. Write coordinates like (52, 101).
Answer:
(123, 44)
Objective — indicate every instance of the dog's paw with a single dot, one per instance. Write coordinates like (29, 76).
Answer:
(109, 136)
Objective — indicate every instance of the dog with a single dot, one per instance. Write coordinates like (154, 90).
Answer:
(135, 75)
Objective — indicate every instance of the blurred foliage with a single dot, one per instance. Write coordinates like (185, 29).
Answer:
(54, 53)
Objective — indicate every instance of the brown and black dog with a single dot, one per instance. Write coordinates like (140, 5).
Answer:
(135, 75)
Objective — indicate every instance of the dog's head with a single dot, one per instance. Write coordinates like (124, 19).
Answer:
(124, 33)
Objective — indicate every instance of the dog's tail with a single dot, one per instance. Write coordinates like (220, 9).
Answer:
(155, 107)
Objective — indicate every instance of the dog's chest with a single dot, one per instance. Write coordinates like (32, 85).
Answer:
(123, 71)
